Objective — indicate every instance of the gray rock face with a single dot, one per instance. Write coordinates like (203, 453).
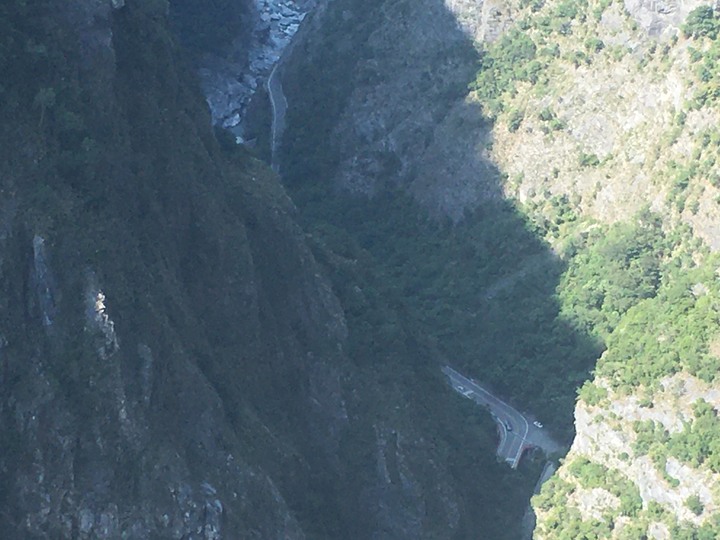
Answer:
(68, 469)
(404, 102)
(609, 441)
(481, 21)
(391, 119)
(98, 321)
(230, 79)
(657, 16)
(456, 172)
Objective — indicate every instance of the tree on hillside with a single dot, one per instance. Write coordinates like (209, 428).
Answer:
(701, 22)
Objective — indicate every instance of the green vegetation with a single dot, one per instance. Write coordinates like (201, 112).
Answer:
(463, 287)
(568, 524)
(707, 531)
(552, 122)
(699, 443)
(593, 475)
(546, 114)
(563, 521)
(707, 61)
(592, 394)
(594, 44)
(612, 270)
(458, 288)
(413, 290)
(701, 22)
(666, 333)
(695, 505)
(488, 294)
(569, 9)
(510, 60)
(650, 435)
(588, 160)
(187, 233)
(515, 118)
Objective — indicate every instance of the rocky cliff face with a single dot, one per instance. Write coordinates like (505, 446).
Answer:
(115, 416)
(406, 114)
(406, 67)
(399, 82)
(233, 71)
(606, 437)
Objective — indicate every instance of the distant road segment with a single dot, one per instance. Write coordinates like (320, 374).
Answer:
(517, 432)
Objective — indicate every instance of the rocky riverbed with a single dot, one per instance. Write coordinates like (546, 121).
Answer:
(230, 79)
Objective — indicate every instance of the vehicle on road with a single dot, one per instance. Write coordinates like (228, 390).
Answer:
(508, 426)
(537, 424)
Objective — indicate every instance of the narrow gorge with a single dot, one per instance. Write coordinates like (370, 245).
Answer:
(240, 241)
(565, 157)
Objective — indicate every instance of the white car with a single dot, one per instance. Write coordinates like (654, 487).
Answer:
(537, 424)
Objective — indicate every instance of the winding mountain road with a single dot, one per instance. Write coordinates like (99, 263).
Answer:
(517, 431)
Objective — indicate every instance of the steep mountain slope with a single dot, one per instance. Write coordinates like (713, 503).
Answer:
(624, 122)
(123, 373)
(178, 358)
(579, 166)
(450, 280)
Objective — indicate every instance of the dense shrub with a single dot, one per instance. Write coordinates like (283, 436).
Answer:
(701, 22)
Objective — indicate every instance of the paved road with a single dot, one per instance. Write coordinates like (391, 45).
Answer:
(517, 432)
(279, 105)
